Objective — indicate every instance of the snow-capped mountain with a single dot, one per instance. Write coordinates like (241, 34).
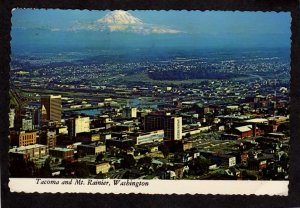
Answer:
(120, 17)
(122, 21)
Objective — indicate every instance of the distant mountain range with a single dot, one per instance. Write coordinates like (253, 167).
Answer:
(120, 30)
(122, 21)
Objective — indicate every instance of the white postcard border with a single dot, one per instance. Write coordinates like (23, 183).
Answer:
(126, 186)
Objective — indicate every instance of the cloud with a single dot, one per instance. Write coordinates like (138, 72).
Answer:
(164, 30)
(55, 29)
(122, 21)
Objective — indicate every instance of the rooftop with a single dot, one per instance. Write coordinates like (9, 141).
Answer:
(91, 145)
(61, 149)
(244, 128)
(257, 120)
(23, 148)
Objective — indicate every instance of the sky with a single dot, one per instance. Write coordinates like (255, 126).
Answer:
(50, 28)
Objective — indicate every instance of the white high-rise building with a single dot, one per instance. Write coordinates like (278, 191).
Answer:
(172, 125)
(11, 116)
(177, 128)
(78, 125)
(26, 124)
(129, 112)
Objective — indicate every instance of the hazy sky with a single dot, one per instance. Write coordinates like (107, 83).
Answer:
(213, 27)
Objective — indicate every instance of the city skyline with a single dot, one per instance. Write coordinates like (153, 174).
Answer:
(148, 95)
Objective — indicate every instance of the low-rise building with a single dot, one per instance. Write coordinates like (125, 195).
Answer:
(125, 127)
(149, 137)
(257, 164)
(196, 131)
(91, 149)
(148, 148)
(105, 136)
(187, 146)
(61, 153)
(62, 130)
(99, 167)
(87, 137)
(28, 152)
(102, 121)
(247, 131)
(23, 138)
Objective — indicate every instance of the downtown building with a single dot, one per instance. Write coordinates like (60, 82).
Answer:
(23, 138)
(48, 137)
(129, 112)
(172, 125)
(51, 108)
(28, 152)
(11, 117)
(78, 125)
(149, 137)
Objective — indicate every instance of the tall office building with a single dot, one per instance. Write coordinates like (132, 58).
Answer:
(27, 124)
(36, 117)
(172, 125)
(48, 137)
(12, 116)
(77, 125)
(129, 112)
(51, 108)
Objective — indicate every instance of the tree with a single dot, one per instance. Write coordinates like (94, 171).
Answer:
(76, 156)
(21, 168)
(81, 170)
(100, 176)
(165, 150)
(283, 128)
(145, 163)
(128, 161)
(69, 167)
(45, 171)
(82, 154)
(188, 135)
(99, 157)
(127, 145)
(199, 166)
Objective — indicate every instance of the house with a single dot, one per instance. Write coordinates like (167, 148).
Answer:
(246, 131)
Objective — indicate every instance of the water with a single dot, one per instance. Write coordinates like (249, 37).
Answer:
(90, 112)
(142, 103)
